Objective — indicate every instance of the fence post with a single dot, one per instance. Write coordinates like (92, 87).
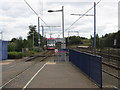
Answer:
(101, 73)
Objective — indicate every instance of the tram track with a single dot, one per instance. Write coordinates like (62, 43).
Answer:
(36, 61)
(111, 69)
(115, 76)
(111, 63)
(24, 60)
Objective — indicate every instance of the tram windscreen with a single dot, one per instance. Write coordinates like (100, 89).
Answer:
(50, 42)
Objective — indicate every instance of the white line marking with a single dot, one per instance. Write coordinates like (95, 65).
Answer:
(8, 82)
(13, 79)
(34, 76)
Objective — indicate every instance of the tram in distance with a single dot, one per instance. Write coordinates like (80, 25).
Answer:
(51, 43)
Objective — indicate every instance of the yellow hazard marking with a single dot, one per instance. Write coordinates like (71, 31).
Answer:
(51, 63)
(4, 63)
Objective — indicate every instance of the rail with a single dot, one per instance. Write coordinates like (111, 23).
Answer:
(110, 63)
(36, 61)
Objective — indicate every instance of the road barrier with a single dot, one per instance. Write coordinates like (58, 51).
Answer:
(91, 65)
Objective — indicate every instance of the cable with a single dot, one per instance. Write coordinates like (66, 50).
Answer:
(82, 16)
(35, 12)
(32, 8)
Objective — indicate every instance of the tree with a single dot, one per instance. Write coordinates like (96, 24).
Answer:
(97, 41)
(118, 39)
(28, 43)
(13, 40)
(32, 32)
(19, 44)
(16, 44)
(108, 40)
(74, 40)
(11, 46)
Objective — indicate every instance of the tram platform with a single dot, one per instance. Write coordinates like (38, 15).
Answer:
(61, 75)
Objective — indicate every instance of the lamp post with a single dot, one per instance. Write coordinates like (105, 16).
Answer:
(63, 46)
(94, 24)
(62, 10)
(38, 33)
(33, 39)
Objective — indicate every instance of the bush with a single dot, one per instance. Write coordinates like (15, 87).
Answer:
(30, 53)
(15, 55)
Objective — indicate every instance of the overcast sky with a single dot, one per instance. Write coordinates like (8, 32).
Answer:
(16, 16)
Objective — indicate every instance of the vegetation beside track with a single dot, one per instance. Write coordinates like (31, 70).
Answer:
(18, 55)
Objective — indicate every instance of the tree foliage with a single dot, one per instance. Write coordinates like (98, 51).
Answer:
(97, 41)
(33, 33)
(75, 40)
(107, 40)
(16, 44)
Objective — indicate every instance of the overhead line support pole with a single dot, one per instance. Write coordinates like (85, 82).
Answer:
(38, 33)
(64, 46)
(94, 27)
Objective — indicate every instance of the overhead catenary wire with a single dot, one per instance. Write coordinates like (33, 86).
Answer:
(34, 11)
(82, 16)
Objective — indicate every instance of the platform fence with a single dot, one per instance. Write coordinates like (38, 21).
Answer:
(89, 64)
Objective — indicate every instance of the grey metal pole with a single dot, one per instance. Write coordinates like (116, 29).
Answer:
(63, 55)
(43, 31)
(78, 33)
(1, 35)
(68, 37)
(94, 27)
(43, 35)
(33, 39)
(38, 33)
(64, 46)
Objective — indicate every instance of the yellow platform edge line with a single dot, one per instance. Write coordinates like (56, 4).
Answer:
(51, 62)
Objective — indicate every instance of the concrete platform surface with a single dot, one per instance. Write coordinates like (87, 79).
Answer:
(60, 75)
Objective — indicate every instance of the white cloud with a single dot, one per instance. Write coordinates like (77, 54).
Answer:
(16, 16)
